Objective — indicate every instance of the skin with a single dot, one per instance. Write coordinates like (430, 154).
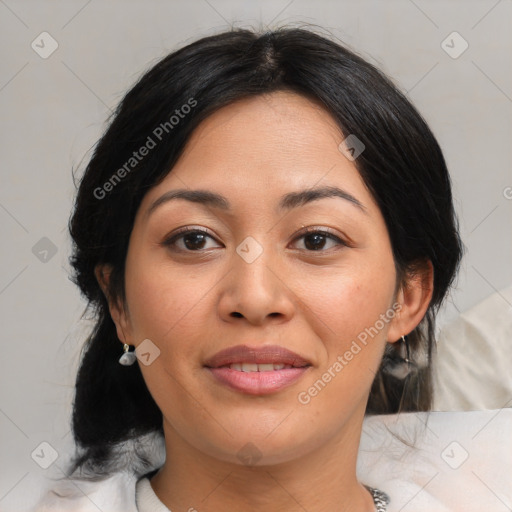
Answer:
(313, 302)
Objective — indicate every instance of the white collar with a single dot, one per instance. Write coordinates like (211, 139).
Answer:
(146, 499)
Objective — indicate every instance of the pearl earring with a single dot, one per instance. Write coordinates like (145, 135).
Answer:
(128, 358)
(397, 363)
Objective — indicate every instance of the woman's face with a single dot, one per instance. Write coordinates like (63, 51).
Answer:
(224, 309)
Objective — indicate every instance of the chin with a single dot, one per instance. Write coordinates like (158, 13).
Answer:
(265, 443)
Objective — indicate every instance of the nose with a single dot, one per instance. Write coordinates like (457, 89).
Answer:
(256, 291)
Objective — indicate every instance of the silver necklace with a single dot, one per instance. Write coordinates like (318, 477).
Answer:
(380, 499)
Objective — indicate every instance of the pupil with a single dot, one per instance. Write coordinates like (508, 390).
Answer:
(193, 245)
(317, 237)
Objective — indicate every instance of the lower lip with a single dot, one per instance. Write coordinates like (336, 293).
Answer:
(258, 383)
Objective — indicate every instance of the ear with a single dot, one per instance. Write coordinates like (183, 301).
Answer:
(414, 298)
(115, 306)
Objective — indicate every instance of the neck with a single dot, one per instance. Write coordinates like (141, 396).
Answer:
(321, 481)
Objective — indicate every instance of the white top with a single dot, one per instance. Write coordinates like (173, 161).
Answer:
(450, 461)
(146, 499)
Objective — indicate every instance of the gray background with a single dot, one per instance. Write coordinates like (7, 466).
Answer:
(54, 109)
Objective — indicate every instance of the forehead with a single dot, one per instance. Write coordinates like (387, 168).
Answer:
(249, 149)
(287, 123)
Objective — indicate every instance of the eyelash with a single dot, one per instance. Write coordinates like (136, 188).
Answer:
(170, 242)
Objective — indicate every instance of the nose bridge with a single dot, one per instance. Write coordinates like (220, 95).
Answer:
(255, 289)
(251, 266)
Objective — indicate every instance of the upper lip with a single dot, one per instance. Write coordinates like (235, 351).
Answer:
(266, 354)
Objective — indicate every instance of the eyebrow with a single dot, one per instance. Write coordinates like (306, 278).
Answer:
(287, 202)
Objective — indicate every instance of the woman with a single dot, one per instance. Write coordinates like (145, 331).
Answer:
(268, 223)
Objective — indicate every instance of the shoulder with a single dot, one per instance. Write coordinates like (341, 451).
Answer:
(130, 461)
(440, 461)
(116, 493)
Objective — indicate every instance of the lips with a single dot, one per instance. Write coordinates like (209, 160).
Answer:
(257, 371)
(265, 355)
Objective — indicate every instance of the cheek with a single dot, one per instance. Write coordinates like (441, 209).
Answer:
(352, 299)
(353, 318)
(161, 299)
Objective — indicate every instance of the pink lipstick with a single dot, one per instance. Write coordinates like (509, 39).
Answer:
(257, 370)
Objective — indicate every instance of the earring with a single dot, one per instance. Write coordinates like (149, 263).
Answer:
(128, 358)
(407, 357)
(397, 363)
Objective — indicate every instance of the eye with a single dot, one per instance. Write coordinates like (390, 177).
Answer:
(315, 239)
(189, 240)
